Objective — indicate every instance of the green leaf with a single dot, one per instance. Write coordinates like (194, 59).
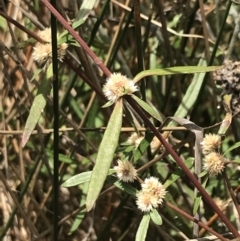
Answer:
(78, 179)
(191, 95)
(178, 173)
(147, 108)
(105, 154)
(109, 103)
(236, 145)
(203, 173)
(143, 227)
(84, 11)
(198, 198)
(196, 203)
(37, 107)
(80, 216)
(26, 43)
(126, 187)
(49, 73)
(81, 178)
(143, 146)
(36, 73)
(156, 217)
(175, 70)
(62, 157)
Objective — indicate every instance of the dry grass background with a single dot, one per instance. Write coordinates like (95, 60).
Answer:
(26, 174)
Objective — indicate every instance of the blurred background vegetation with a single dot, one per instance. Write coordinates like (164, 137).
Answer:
(170, 33)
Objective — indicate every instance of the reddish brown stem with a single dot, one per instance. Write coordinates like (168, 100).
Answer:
(231, 192)
(20, 26)
(84, 77)
(186, 215)
(92, 55)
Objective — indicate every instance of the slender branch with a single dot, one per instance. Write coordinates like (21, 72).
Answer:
(186, 215)
(231, 192)
(66, 25)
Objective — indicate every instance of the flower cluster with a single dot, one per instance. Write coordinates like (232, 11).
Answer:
(151, 195)
(135, 139)
(214, 163)
(126, 171)
(210, 143)
(155, 144)
(43, 52)
(118, 85)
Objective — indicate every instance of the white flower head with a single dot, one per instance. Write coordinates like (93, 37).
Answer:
(151, 195)
(214, 163)
(146, 201)
(46, 35)
(62, 50)
(118, 85)
(126, 171)
(135, 139)
(210, 143)
(43, 51)
(131, 139)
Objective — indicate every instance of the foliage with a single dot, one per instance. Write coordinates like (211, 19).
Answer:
(168, 53)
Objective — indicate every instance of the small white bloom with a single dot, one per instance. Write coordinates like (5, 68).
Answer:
(126, 171)
(118, 85)
(146, 201)
(131, 139)
(62, 50)
(210, 143)
(150, 184)
(46, 35)
(135, 140)
(43, 52)
(214, 163)
(151, 195)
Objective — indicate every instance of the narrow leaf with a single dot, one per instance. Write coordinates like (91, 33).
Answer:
(109, 103)
(198, 199)
(81, 178)
(156, 217)
(203, 173)
(143, 146)
(36, 73)
(126, 188)
(191, 95)
(78, 179)
(37, 107)
(196, 204)
(236, 145)
(178, 173)
(148, 108)
(105, 154)
(143, 227)
(175, 70)
(80, 216)
(84, 11)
